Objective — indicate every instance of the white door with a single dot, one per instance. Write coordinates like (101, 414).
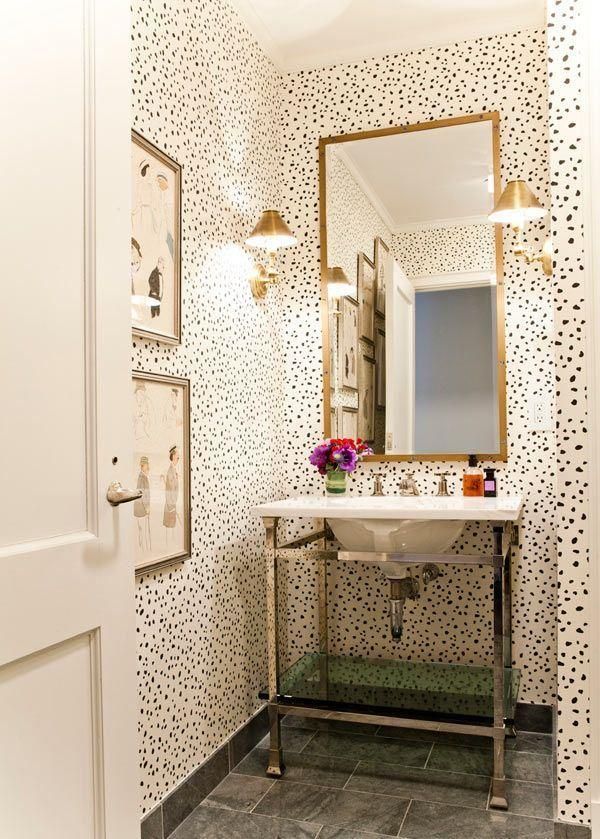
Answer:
(68, 767)
(400, 364)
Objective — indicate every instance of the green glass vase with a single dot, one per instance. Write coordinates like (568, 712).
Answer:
(335, 482)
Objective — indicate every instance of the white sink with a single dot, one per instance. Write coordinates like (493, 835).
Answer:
(394, 523)
(396, 535)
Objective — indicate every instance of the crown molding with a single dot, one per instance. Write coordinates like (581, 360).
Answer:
(372, 48)
(258, 28)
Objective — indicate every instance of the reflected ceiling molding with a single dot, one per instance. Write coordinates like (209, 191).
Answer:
(365, 186)
(456, 280)
(441, 223)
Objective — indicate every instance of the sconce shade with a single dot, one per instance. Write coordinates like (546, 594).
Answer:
(338, 284)
(516, 205)
(271, 233)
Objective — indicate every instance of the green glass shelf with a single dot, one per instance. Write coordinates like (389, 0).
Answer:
(410, 688)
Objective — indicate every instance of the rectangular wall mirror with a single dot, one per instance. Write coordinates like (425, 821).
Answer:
(412, 290)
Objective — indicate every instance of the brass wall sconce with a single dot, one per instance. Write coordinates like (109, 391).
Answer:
(518, 205)
(270, 234)
(338, 284)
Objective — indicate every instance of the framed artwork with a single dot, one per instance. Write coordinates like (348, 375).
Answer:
(348, 343)
(366, 297)
(380, 368)
(366, 397)
(161, 427)
(349, 422)
(382, 268)
(155, 242)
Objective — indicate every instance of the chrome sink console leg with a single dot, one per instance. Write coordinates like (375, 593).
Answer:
(323, 624)
(510, 723)
(275, 767)
(498, 798)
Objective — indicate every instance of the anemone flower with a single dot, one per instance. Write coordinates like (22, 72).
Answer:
(320, 457)
(345, 458)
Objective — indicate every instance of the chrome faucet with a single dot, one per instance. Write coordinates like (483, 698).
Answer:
(408, 485)
(443, 483)
(378, 486)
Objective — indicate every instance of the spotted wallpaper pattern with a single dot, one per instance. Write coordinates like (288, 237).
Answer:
(445, 250)
(352, 221)
(566, 147)
(204, 92)
(451, 622)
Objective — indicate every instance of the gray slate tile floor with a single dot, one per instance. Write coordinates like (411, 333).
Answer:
(355, 782)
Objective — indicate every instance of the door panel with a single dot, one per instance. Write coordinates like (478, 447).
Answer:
(49, 745)
(67, 633)
(43, 252)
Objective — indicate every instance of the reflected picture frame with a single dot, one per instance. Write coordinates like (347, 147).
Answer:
(380, 368)
(348, 343)
(381, 259)
(349, 421)
(366, 396)
(365, 273)
(334, 431)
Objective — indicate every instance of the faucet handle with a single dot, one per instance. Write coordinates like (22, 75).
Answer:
(378, 486)
(408, 485)
(443, 483)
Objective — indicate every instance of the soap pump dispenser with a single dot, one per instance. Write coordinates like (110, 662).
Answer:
(472, 479)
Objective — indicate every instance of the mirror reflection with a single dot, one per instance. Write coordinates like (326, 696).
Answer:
(411, 265)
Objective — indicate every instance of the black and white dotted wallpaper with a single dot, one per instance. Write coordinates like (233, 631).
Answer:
(204, 93)
(505, 73)
(566, 149)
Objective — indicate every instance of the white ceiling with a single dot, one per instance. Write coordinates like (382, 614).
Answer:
(425, 177)
(301, 34)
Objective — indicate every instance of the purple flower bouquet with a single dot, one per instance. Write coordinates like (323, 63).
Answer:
(336, 458)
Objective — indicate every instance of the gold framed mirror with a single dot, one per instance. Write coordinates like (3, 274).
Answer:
(412, 288)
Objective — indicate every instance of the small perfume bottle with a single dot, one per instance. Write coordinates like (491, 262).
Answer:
(472, 479)
(490, 484)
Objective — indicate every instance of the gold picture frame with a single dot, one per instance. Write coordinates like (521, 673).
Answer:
(155, 243)
(161, 427)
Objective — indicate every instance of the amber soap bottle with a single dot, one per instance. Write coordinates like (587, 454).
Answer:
(472, 479)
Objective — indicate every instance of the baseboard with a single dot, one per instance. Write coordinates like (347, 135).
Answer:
(566, 830)
(179, 803)
(536, 718)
